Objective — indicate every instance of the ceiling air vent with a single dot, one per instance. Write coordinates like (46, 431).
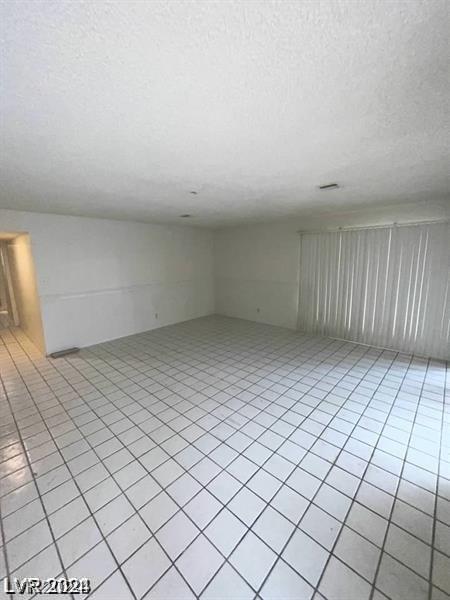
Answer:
(329, 186)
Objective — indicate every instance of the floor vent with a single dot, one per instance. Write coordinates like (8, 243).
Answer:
(62, 353)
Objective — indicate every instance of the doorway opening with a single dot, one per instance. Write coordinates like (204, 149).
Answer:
(19, 300)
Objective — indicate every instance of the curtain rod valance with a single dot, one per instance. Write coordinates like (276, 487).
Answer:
(362, 227)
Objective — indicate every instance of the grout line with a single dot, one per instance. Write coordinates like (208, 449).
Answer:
(435, 512)
(248, 403)
(44, 508)
(38, 494)
(397, 487)
(353, 364)
(342, 523)
(319, 351)
(203, 487)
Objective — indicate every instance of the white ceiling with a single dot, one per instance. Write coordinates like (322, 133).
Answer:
(120, 109)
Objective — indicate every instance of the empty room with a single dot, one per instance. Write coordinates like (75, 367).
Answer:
(225, 299)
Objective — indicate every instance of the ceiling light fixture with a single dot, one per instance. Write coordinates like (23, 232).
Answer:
(328, 186)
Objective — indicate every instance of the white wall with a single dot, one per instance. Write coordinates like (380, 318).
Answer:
(100, 279)
(258, 266)
(3, 293)
(23, 277)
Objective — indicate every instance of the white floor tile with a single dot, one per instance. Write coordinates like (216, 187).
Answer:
(253, 559)
(78, 541)
(170, 586)
(227, 584)
(224, 486)
(341, 582)
(367, 523)
(142, 491)
(264, 485)
(46, 563)
(114, 587)
(97, 565)
(183, 489)
(67, 517)
(166, 473)
(290, 504)
(441, 572)
(409, 550)
(399, 582)
(305, 556)
(158, 511)
(442, 539)
(284, 582)
(321, 526)
(247, 506)
(155, 433)
(128, 537)
(149, 560)
(225, 531)
(22, 519)
(273, 529)
(101, 494)
(176, 535)
(202, 508)
(199, 563)
(113, 514)
(358, 553)
(333, 502)
(27, 544)
(304, 483)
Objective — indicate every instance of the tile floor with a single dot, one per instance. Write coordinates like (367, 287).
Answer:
(220, 458)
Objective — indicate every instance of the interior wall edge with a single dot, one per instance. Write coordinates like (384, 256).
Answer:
(24, 284)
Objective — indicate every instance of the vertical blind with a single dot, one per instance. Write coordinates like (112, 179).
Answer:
(386, 287)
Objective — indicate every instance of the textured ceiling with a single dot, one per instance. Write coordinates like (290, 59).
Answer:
(121, 109)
